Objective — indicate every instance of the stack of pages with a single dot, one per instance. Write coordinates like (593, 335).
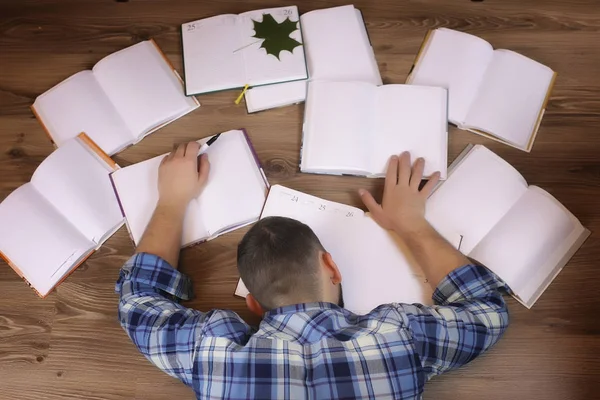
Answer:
(337, 49)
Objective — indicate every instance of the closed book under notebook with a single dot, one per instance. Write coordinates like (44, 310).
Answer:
(337, 48)
(125, 97)
(233, 197)
(50, 225)
(520, 232)
(499, 94)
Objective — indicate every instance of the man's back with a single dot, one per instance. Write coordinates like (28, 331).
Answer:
(315, 351)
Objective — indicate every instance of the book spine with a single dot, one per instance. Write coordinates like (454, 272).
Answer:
(41, 121)
(98, 151)
(419, 55)
(541, 114)
(256, 159)
(79, 264)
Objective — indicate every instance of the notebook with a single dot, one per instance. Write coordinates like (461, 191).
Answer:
(254, 48)
(233, 197)
(126, 96)
(499, 94)
(50, 225)
(337, 48)
(354, 127)
(376, 267)
(520, 232)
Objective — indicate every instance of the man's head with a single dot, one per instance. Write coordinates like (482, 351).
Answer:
(282, 262)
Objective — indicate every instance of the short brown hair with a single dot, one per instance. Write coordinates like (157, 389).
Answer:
(278, 257)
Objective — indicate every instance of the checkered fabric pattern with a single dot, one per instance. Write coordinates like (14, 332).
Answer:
(309, 351)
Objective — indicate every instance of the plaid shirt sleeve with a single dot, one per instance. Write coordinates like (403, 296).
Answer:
(165, 332)
(469, 317)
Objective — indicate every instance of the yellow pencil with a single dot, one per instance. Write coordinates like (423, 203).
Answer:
(239, 99)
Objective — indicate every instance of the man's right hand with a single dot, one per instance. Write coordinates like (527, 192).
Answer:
(178, 178)
(403, 205)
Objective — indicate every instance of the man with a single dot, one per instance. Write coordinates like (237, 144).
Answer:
(306, 346)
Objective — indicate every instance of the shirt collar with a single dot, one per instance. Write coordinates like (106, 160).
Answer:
(300, 308)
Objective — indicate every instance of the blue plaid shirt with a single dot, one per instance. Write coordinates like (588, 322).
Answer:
(312, 351)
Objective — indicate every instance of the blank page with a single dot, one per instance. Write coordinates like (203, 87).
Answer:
(79, 104)
(143, 87)
(212, 57)
(456, 61)
(137, 189)
(270, 96)
(37, 239)
(523, 241)
(338, 119)
(77, 183)
(236, 190)
(510, 97)
(410, 118)
(263, 68)
(479, 191)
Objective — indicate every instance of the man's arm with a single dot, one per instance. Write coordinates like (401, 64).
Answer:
(470, 314)
(163, 330)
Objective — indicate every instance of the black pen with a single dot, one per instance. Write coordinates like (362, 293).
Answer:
(206, 145)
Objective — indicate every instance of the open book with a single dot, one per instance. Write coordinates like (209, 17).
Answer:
(337, 48)
(521, 233)
(354, 127)
(254, 48)
(126, 96)
(50, 225)
(233, 197)
(376, 266)
(499, 94)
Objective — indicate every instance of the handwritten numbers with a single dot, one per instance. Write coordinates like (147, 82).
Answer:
(322, 207)
(350, 214)
(287, 12)
(191, 27)
(294, 199)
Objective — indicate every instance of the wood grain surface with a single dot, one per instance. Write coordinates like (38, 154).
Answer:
(70, 346)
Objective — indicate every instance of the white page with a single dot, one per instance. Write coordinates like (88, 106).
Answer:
(375, 268)
(338, 119)
(263, 68)
(37, 239)
(341, 54)
(476, 195)
(77, 183)
(143, 87)
(510, 97)
(521, 243)
(410, 118)
(79, 104)
(236, 190)
(212, 55)
(456, 61)
(137, 188)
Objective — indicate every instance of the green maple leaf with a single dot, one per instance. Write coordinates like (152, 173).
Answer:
(276, 36)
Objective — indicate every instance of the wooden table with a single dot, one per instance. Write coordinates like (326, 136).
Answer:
(70, 344)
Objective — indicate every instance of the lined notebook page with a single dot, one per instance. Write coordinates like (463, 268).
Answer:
(79, 104)
(212, 64)
(38, 239)
(456, 61)
(77, 183)
(510, 97)
(263, 68)
(143, 87)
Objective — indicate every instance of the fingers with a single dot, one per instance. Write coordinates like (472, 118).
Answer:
(372, 205)
(417, 173)
(192, 149)
(430, 185)
(391, 176)
(204, 169)
(180, 152)
(404, 169)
